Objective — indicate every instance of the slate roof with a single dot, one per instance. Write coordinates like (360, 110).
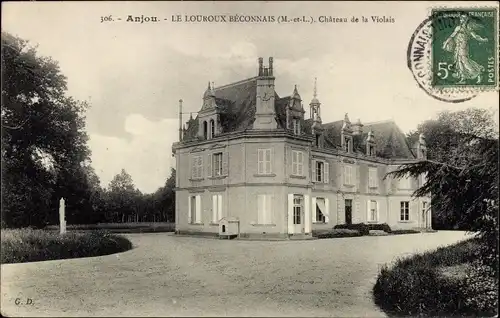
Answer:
(238, 101)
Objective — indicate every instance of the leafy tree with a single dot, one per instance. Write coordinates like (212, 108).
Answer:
(453, 139)
(123, 199)
(43, 137)
(466, 191)
(164, 200)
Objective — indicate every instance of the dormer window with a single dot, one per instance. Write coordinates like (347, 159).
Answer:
(347, 144)
(212, 128)
(205, 130)
(318, 137)
(296, 126)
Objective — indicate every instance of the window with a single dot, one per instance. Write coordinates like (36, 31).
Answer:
(319, 171)
(348, 175)
(372, 211)
(372, 178)
(297, 163)
(318, 138)
(197, 168)
(265, 209)
(347, 144)
(405, 211)
(216, 208)
(297, 209)
(217, 164)
(205, 130)
(264, 161)
(296, 126)
(194, 209)
(212, 128)
(405, 183)
(320, 210)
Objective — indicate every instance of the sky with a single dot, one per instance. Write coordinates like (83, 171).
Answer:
(133, 74)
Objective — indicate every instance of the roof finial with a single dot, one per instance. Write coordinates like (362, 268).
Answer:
(213, 85)
(208, 85)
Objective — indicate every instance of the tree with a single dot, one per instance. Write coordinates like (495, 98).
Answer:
(448, 136)
(164, 200)
(44, 142)
(453, 139)
(123, 199)
(465, 192)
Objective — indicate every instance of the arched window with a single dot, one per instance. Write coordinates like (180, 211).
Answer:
(212, 128)
(205, 130)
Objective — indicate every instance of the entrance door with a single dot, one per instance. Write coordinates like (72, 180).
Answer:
(348, 211)
(298, 214)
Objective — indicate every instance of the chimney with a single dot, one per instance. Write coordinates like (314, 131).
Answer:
(180, 119)
(271, 66)
(261, 67)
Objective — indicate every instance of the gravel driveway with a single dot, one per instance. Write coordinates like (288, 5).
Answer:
(165, 275)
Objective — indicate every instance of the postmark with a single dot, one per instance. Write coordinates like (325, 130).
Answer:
(453, 54)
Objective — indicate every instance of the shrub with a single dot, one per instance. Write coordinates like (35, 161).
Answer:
(27, 245)
(135, 227)
(339, 233)
(361, 227)
(395, 232)
(481, 290)
(380, 227)
(415, 287)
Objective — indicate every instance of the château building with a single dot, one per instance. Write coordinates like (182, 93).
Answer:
(254, 157)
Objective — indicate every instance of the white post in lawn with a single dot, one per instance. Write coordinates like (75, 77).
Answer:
(62, 219)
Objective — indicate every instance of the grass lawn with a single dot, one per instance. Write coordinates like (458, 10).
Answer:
(28, 245)
(444, 282)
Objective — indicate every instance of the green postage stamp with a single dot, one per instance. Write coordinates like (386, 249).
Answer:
(464, 47)
(453, 53)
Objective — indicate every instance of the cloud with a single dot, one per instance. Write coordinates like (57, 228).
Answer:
(146, 155)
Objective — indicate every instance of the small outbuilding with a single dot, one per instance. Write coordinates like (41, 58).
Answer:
(229, 227)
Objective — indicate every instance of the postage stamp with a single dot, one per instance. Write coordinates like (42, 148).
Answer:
(453, 53)
(464, 47)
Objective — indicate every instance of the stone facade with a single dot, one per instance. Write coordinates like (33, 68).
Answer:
(280, 174)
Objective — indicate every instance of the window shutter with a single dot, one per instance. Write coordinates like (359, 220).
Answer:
(376, 209)
(214, 208)
(192, 163)
(209, 165)
(260, 203)
(368, 206)
(189, 210)
(200, 167)
(300, 163)
(294, 162)
(225, 163)
(260, 161)
(198, 209)
(314, 172)
(269, 209)
(221, 212)
(327, 172)
(313, 209)
(307, 214)
(327, 208)
(269, 160)
(290, 213)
